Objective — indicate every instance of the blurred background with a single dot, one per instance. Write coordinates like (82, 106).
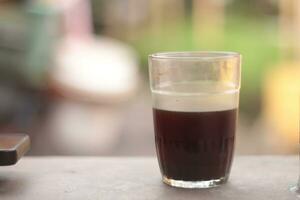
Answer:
(73, 73)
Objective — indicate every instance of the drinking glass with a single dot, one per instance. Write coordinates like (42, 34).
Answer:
(195, 98)
(296, 188)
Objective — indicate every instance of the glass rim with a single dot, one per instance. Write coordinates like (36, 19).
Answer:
(195, 55)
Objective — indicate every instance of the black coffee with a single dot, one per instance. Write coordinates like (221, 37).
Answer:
(194, 146)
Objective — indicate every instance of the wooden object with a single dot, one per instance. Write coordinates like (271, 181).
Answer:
(12, 148)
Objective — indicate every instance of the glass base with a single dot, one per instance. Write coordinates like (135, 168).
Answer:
(195, 184)
(296, 190)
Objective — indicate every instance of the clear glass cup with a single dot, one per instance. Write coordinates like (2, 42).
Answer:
(296, 188)
(195, 99)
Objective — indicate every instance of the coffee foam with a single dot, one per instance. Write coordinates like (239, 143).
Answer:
(195, 97)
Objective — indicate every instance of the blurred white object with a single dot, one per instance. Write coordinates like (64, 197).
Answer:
(98, 70)
(101, 71)
(89, 69)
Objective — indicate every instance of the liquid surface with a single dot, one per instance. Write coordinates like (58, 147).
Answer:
(196, 97)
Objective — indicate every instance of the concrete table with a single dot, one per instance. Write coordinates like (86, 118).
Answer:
(105, 178)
